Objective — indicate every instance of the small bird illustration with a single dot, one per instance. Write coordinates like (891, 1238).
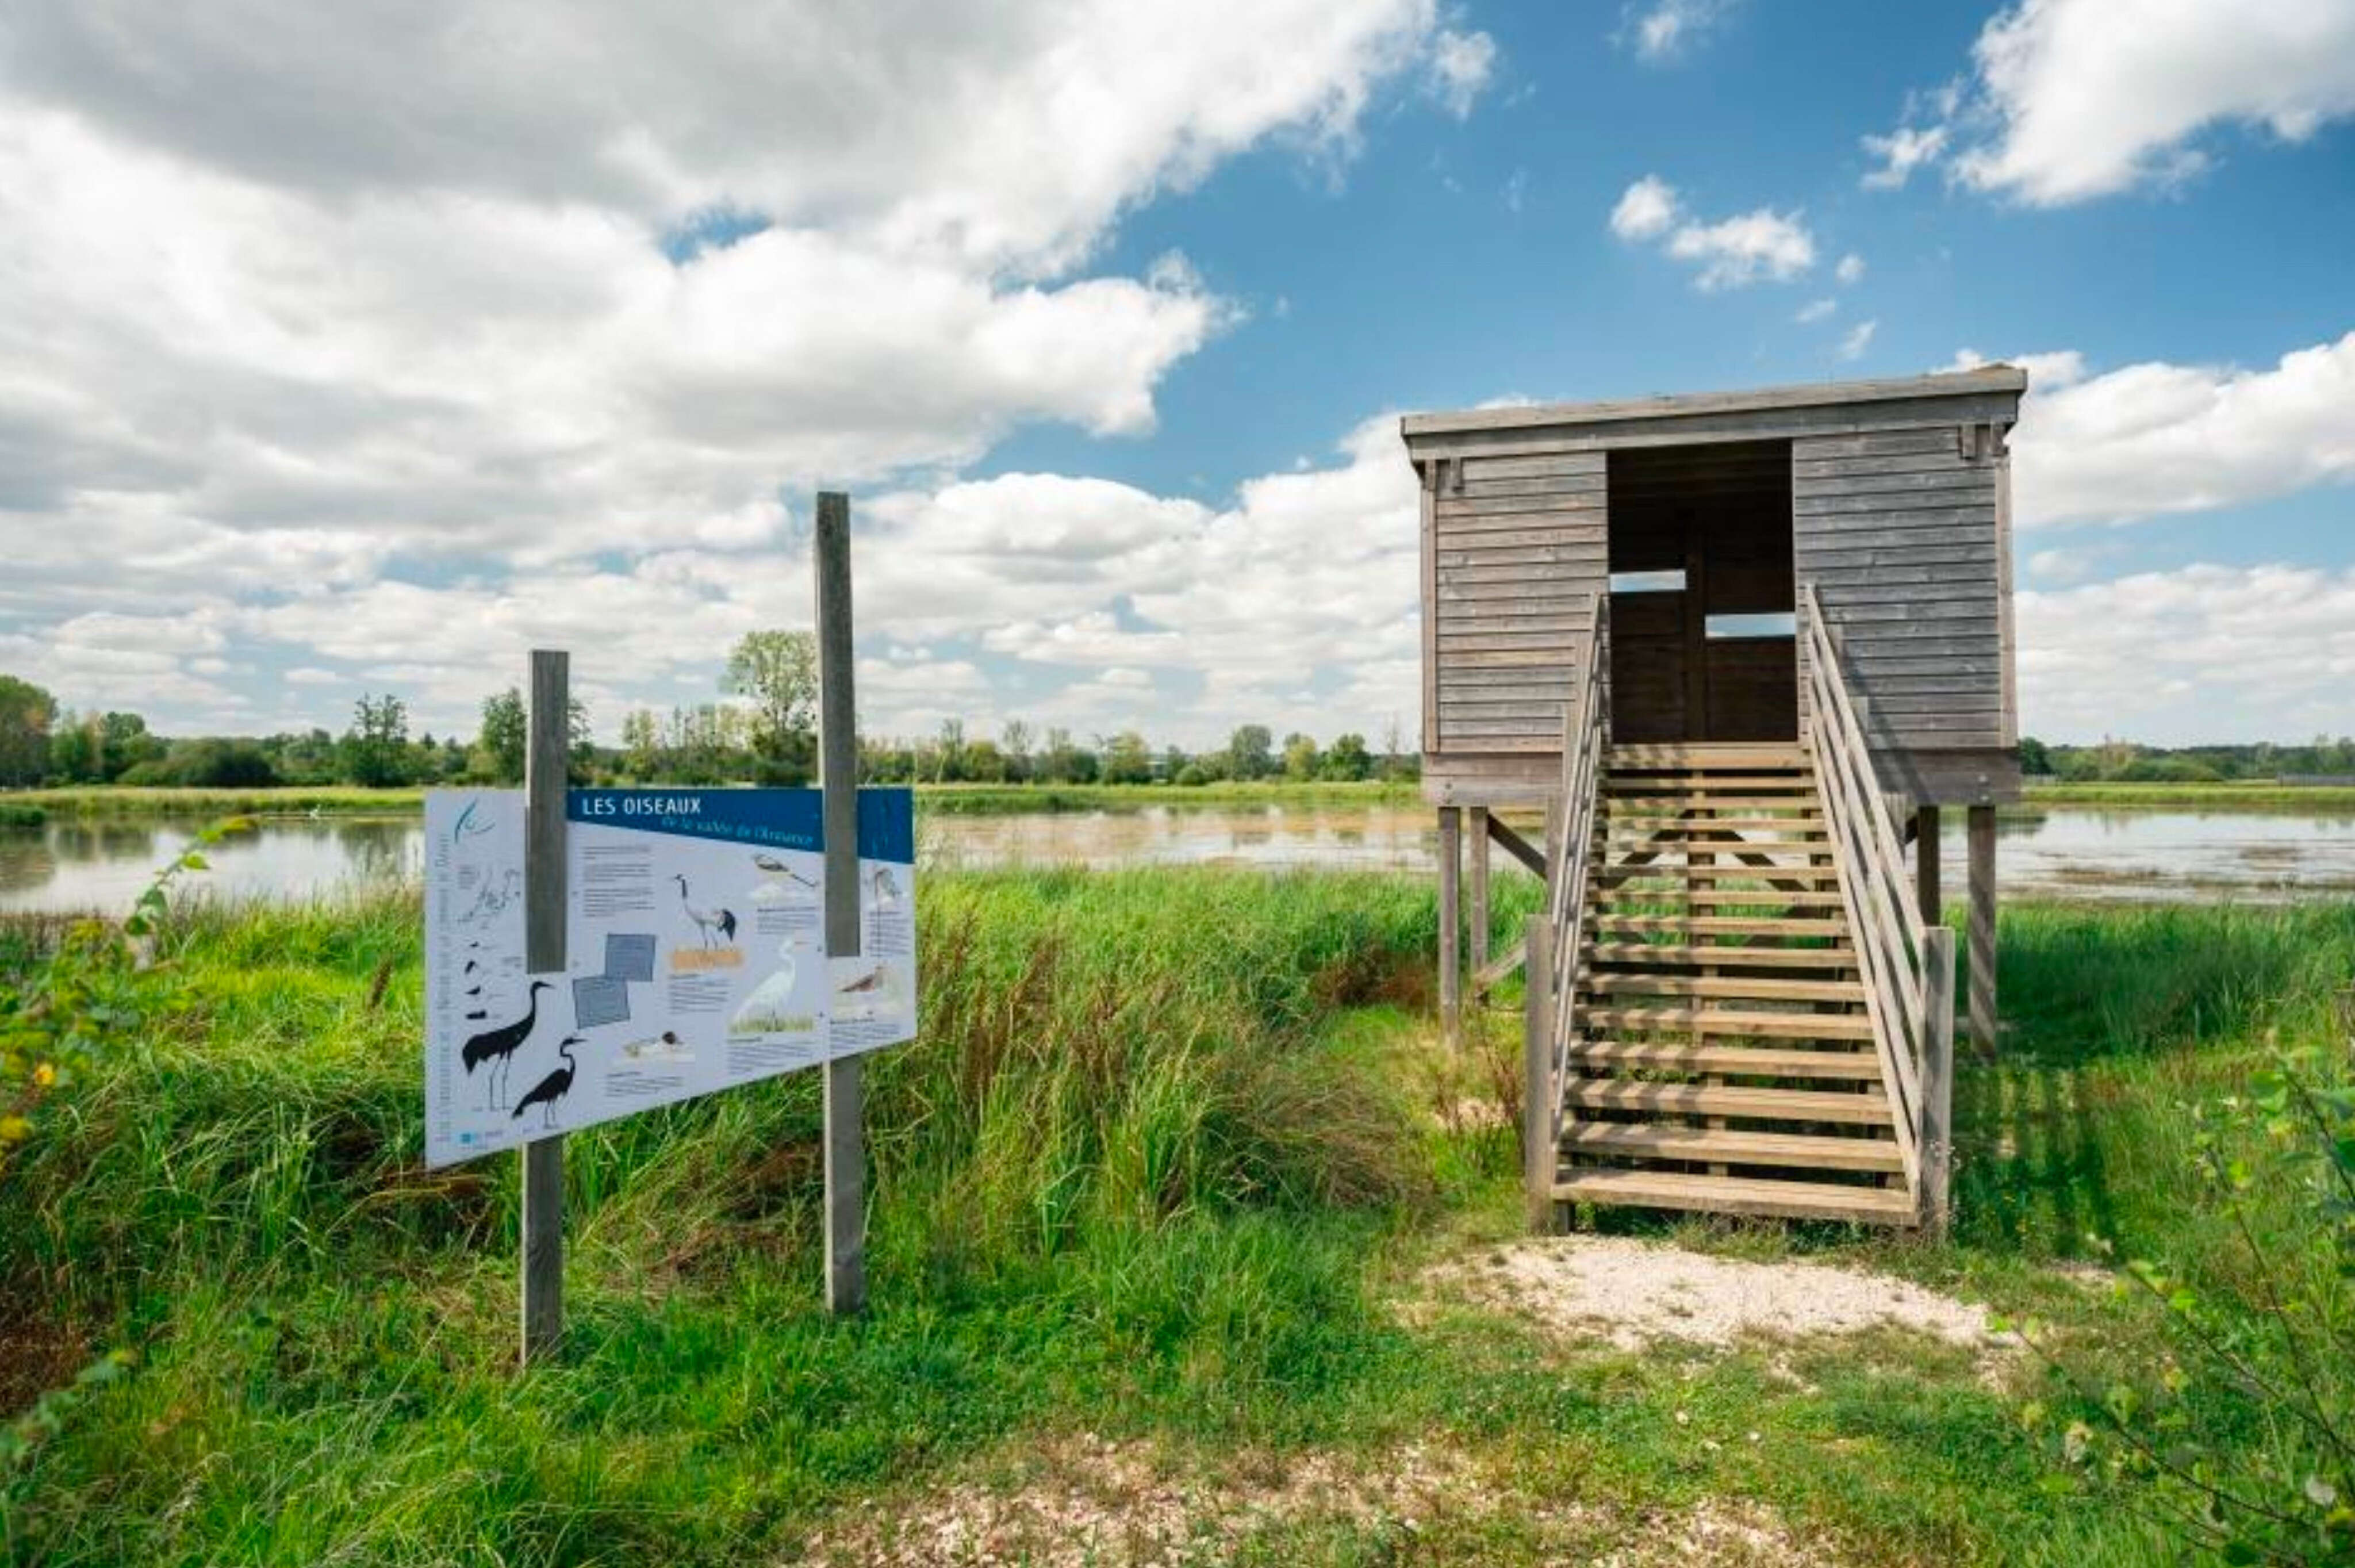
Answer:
(771, 864)
(706, 920)
(552, 1088)
(870, 981)
(498, 1046)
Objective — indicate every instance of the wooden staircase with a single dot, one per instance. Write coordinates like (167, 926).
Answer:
(1720, 1055)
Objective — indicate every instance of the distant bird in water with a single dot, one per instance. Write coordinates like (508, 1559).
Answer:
(706, 920)
(775, 867)
(551, 1089)
(497, 1046)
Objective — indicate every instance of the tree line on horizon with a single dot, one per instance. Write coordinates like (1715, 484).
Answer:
(767, 736)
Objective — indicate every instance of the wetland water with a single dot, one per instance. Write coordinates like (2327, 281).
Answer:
(2135, 854)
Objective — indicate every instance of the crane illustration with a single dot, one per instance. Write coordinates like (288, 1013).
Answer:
(498, 1046)
(706, 920)
(552, 1088)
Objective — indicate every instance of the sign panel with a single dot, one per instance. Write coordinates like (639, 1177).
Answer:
(695, 955)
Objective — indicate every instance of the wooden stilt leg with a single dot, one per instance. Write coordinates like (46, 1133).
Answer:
(1477, 830)
(1982, 934)
(1925, 865)
(1451, 919)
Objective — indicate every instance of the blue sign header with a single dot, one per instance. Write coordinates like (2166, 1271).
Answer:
(784, 818)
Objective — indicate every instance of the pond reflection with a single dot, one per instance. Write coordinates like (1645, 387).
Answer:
(2073, 853)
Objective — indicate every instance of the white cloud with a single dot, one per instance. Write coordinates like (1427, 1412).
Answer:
(1645, 210)
(1850, 270)
(1817, 310)
(501, 321)
(2071, 100)
(1462, 64)
(1661, 30)
(2204, 653)
(1857, 339)
(1742, 249)
(1733, 253)
(2046, 372)
(2159, 438)
(1901, 152)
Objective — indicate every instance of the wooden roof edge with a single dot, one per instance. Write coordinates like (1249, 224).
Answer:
(1978, 380)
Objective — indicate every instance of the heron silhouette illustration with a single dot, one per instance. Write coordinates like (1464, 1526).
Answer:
(498, 1046)
(552, 1088)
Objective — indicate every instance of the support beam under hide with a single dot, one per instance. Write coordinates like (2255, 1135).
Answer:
(1982, 932)
(1477, 832)
(1451, 923)
(1926, 894)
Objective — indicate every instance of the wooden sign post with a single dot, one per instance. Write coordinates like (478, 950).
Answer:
(846, 1154)
(546, 762)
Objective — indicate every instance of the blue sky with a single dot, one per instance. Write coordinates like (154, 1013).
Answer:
(355, 355)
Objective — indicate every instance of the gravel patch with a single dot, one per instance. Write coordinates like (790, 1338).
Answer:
(1633, 1292)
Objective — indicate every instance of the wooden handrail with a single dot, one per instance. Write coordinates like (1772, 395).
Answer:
(1585, 731)
(1909, 1001)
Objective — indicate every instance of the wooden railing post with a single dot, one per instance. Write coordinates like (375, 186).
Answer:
(1451, 925)
(1937, 1134)
(1539, 1094)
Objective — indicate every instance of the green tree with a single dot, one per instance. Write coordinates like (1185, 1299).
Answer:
(26, 713)
(375, 749)
(778, 670)
(506, 734)
(1014, 741)
(641, 756)
(2033, 758)
(1127, 759)
(1251, 752)
(1348, 761)
(1299, 758)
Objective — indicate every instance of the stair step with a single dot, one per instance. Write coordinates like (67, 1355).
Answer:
(1808, 821)
(1868, 1109)
(1705, 753)
(1739, 1061)
(1752, 898)
(1707, 786)
(1694, 843)
(1737, 1195)
(1719, 1146)
(1730, 1021)
(1741, 988)
(1800, 795)
(1841, 957)
(1719, 925)
(1818, 876)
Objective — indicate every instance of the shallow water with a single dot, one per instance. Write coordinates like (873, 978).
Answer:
(2121, 854)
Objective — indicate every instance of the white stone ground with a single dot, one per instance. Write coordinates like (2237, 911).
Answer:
(1633, 1293)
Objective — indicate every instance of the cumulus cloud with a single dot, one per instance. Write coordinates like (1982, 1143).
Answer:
(2204, 653)
(1662, 30)
(2071, 100)
(385, 334)
(1857, 339)
(1732, 253)
(1850, 270)
(1817, 310)
(1645, 210)
(1901, 152)
(1462, 64)
(2157, 438)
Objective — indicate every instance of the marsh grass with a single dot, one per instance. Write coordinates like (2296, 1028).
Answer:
(1169, 1152)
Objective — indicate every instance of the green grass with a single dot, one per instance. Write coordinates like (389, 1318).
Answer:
(1160, 1167)
(138, 800)
(2248, 794)
(962, 800)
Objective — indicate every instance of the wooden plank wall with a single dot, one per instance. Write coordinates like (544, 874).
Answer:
(1899, 531)
(1518, 546)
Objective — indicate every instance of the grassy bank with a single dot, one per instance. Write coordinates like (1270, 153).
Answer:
(132, 800)
(1166, 1162)
(962, 800)
(2238, 796)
